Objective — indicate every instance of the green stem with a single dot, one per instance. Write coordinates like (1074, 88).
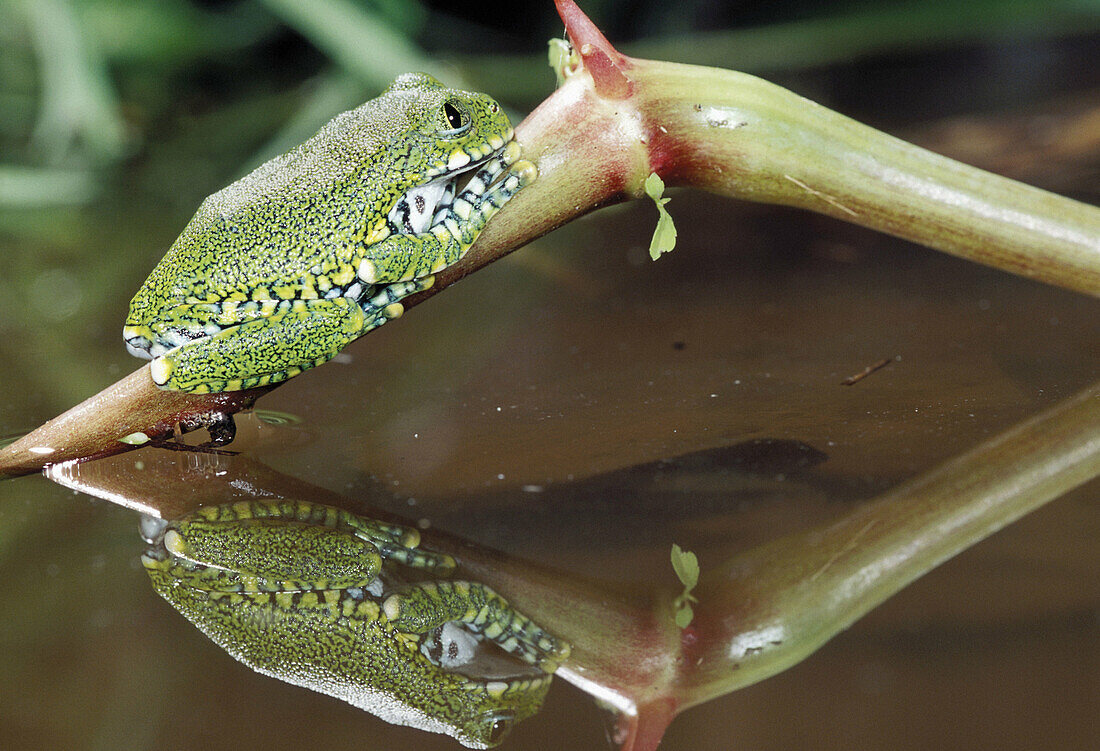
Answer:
(742, 136)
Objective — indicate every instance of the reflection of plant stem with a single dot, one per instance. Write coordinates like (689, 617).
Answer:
(759, 613)
(770, 607)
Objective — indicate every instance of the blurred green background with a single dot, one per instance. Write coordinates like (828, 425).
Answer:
(567, 365)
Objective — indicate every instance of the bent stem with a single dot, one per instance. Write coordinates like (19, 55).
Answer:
(617, 119)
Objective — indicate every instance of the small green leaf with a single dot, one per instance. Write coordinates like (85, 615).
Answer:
(664, 235)
(654, 186)
(684, 616)
(686, 565)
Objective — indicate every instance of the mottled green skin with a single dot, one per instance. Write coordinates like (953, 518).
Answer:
(256, 288)
(276, 585)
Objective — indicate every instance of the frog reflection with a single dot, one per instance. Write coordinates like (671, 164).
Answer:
(314, 595)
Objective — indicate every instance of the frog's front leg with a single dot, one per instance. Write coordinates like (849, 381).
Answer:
(419, 608)
(453, 229)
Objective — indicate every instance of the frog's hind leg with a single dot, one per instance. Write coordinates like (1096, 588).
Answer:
(419, 608)
(394, 541)
(265, 555)
(301, 335)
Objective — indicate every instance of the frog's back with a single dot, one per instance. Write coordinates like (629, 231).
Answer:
(356, 658)
(288, 214)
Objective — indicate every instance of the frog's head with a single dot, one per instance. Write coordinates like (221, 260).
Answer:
(496, 706)
(450, 130)
(446, 133)
(487, 691)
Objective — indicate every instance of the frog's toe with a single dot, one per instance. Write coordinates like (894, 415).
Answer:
(554, 648)
(511, 152)
(138, 342)
(554, 653)
(525, 172)
(161, 370)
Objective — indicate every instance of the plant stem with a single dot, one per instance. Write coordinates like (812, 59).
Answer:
(744, 137)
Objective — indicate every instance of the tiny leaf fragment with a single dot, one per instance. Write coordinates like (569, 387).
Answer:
(686, 565)
(684, 615)
(664, 235)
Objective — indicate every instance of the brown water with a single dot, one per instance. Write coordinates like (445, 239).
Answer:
(584, 407)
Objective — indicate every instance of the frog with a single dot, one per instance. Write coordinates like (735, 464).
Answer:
(315, 595)
(279, 271)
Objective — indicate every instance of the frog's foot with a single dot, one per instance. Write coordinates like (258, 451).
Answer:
(220, 425)
(420, 608)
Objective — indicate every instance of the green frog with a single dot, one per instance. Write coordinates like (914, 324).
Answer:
(277, 272)
(317, 597)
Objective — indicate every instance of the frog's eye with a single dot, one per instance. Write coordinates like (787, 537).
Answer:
(455, 118)
(496, 725)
